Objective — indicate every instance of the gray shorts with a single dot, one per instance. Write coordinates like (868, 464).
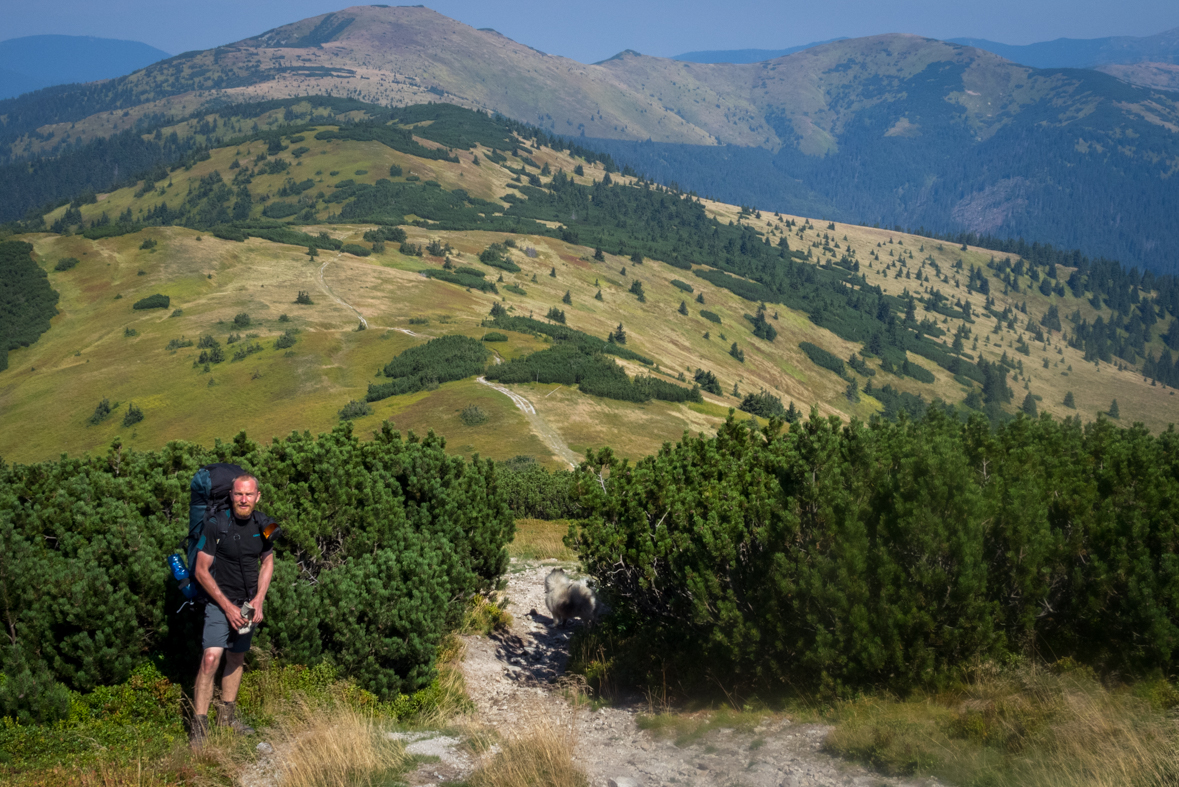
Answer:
(217, 633)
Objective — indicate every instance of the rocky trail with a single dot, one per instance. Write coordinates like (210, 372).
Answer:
(516, 679)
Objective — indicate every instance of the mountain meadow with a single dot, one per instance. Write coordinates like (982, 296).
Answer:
(917, 486)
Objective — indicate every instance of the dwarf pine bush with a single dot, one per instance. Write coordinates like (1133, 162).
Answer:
(383, 541)
(839, 556)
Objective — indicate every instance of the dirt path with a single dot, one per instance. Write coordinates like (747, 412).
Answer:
(514, 678)
(539, 426)
(328, 291)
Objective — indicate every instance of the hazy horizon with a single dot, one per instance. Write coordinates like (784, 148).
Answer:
(590, 33)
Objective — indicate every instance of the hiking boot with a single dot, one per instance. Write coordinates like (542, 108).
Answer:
(198, 733)
(227, 717)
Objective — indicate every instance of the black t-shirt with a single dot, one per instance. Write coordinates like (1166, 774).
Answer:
(238, 553)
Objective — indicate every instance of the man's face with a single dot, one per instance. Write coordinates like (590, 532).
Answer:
(244, 497)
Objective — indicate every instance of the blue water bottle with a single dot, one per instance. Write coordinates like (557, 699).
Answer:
(187, 586)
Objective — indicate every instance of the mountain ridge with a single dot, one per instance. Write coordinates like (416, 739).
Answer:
(878, 126)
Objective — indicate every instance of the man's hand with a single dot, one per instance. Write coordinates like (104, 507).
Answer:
(257, 605)
(234, 615)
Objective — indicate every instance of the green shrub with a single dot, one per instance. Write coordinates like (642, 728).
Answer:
(496, 255)
(241, 320)
(286, 340)
(533, 492)
(355, 409)
(355, 250)
(65, 263)
(473, 415)
(156, 301)
(708, 382)
(682, 285)
(437, 361)
(495, 336)
(821, 357)
(383, 541)
(101, 411)
(710, 316)
(149, 244)
(133, 415)
(764, 404)
(917, 372)
(887, 554)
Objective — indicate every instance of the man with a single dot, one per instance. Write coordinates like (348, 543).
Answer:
(234, 566)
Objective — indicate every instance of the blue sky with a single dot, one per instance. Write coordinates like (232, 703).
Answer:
(591, 31)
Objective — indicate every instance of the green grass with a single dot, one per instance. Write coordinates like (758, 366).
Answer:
(1026, 726)
(691, 728)
(539, 539)
(52, 387)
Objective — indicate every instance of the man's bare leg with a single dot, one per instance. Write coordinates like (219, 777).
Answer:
(231, 679)
(203, 690)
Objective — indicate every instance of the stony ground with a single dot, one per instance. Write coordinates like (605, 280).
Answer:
(515, 679)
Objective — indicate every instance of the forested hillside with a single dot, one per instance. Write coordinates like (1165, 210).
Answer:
(599, 280)
(891, 130)
(27, 302)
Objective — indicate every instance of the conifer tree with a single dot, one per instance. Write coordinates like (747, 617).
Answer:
(1029, 406)
(567, 299)
(1069, 401)
(683, 308)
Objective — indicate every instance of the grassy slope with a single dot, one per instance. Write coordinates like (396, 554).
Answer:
(52, 387)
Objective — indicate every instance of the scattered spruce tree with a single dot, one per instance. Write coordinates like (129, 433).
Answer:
(304, 298)
(708, 382)
(567, 299)
(1029, 406)
(598, 296)
(553, 272)
(617, 336)
(1113, 409)
(355, 409)
(636, 288)
(104, 409)
(1069, 401)
(737, 352)
(133, 415)
(683, 307)
(599, 255)
(700, 297)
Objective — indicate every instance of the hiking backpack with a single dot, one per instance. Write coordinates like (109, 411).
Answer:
(211, 487)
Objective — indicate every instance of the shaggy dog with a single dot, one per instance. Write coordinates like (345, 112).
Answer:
(567, 599)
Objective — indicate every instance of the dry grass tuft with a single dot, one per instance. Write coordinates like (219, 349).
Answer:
(451, 699)
(539, 539)
(1029, 728)
(485, 614)
(540, 754)
(313, 746)
(340, 748)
